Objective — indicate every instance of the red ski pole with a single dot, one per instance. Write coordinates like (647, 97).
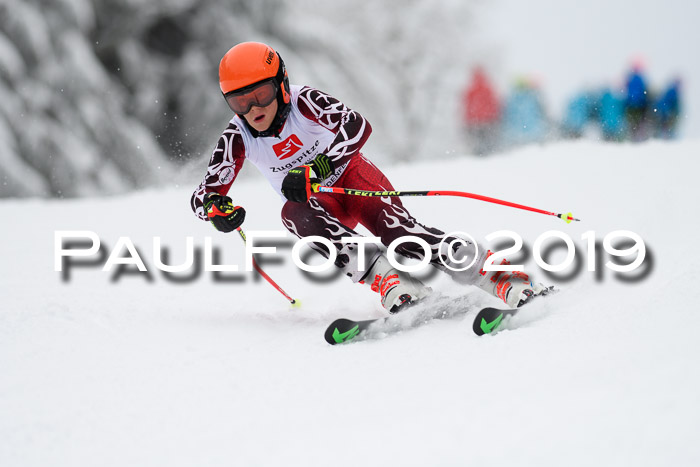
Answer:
(318, 188)
(294, 303)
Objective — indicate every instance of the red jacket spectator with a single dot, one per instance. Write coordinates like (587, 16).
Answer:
(481, 105)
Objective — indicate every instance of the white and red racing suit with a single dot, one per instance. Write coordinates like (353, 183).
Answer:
(318, 123)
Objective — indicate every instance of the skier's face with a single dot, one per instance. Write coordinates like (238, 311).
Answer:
(261, 118)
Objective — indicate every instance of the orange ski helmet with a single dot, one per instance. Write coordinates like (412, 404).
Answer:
(248, 66)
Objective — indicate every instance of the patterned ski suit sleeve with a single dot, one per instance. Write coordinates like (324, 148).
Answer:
(225, 163)
(351, 128)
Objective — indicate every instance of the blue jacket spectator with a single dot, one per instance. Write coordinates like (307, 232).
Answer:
(578, 113)
(636, 91)
(524, 119)
(637, 105)
(612, 116)
(667, 111)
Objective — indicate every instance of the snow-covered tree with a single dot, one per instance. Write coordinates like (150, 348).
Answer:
(99, 96)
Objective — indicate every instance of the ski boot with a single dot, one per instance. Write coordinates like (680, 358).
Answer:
(514, 288)
(397, 288)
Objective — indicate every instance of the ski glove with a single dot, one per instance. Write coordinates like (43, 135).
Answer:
(296, 185)
(223, 215)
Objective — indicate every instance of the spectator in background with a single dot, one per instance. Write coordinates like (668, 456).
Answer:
(579, 111)
(611, 114)
(667, 111)
(481, 113)
(637, 104)
(524, 119)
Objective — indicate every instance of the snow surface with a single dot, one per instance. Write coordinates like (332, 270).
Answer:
(139, 372)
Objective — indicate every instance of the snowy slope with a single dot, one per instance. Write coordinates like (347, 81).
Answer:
(133, 371)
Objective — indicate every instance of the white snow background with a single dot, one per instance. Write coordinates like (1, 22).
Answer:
(133, 372)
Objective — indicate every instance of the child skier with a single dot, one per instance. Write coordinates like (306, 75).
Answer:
(297, 136)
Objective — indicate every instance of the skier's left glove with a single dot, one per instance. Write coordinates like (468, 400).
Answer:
(296, 185)
(222, 214)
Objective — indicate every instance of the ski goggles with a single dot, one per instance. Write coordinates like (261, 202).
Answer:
(260, 94)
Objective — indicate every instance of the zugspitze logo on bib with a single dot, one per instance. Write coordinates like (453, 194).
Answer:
(288, 147)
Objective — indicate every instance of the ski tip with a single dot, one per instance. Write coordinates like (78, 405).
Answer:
(341, 330)
(328, 336)
(487, 321)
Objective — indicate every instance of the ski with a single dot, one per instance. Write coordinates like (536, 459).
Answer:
(344, 330)
(488, 320)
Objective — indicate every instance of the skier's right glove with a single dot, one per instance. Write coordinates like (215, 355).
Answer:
(223, 215)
